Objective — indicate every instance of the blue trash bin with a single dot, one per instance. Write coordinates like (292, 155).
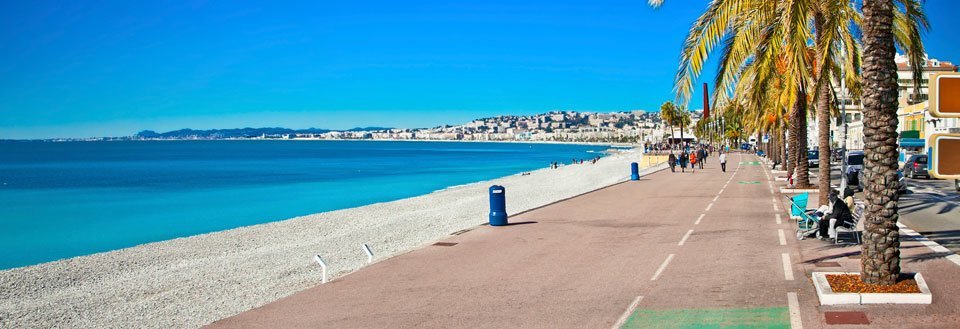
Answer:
(498, 206)
(634, 171)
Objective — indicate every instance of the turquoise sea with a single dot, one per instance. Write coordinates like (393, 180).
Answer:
(65, 199)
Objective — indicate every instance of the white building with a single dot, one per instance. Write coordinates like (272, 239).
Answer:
(905, 77)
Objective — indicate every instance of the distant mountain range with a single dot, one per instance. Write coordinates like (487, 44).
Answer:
(241, 132)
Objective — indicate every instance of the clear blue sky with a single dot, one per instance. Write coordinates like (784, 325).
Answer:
(111, 68)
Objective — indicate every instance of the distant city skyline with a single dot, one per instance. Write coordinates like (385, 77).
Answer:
(111, 69)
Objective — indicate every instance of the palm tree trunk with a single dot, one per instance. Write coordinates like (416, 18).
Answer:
(792, 144)
(880, 260)
(784, 157)
(823, 126)
(803, 166)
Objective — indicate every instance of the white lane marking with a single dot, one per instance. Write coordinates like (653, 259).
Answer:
(794, 304)
(698, 219)
(783, 238)
(776, 208)
(709, 206)
(933, 245)
(787, 270)
(661, 268)
(626, 314)
(716, 197)
(779, 221)
(685, 236)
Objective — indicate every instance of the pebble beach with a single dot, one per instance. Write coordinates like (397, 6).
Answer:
(190, 282)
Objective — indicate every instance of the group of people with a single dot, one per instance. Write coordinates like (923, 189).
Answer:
(557, 164)
(694, 158)
(838, 212)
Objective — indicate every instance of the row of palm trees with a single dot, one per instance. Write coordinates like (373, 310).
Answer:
(675, 117)
(780, 61)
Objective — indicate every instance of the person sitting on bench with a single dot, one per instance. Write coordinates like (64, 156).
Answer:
(839, 211)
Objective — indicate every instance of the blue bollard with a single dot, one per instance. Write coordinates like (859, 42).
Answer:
(498, 206)
(634, 171)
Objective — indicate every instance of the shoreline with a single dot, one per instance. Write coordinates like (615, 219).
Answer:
(610, 144)
(195, 280)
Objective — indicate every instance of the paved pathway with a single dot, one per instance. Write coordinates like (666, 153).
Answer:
(670, 250)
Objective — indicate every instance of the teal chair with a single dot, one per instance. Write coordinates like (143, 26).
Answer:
(798, 211)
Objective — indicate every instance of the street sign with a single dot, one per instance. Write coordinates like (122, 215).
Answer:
(944, 103)
(945, 156)
(945, 95)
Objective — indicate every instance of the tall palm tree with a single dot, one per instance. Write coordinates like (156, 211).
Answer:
(668, 114)
(881, 27)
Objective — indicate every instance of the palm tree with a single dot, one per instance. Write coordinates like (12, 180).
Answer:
(668, 113)
(882, 26)
(683, 119)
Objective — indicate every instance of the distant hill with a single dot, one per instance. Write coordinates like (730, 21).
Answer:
(240, 132)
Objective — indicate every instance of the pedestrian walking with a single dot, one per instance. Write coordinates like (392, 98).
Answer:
(702, 157)
(693, 161)
(672, 161)
(723, 162)
(684, 157)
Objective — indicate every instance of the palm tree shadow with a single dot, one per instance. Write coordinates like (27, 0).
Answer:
(926, 257)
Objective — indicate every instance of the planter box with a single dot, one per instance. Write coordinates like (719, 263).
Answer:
(828, 297)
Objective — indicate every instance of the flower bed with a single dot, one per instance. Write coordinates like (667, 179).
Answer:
(851, 283)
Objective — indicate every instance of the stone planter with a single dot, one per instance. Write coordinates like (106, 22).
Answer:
(828, 297)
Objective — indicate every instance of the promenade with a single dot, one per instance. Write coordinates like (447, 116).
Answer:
(669, 251)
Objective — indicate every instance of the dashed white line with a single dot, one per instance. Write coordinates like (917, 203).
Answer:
(626, 314)
(661, 268)
(716, 197)
(783, 238)
(709, 206)
(698, 219)
(779, 221)
(776, 207)
(684, 239)
(794, 305)
(787, 270)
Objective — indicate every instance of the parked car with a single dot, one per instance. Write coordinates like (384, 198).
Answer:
(854, 166)
(813, 158)
(915, 166)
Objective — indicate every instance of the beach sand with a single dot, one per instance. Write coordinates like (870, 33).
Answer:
(193, 281)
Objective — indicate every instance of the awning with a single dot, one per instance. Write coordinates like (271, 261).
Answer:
(912, 142)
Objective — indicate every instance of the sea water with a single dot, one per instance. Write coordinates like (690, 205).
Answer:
(65, 199)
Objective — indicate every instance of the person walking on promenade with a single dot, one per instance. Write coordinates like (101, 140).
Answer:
(693, 161)
(723, 161)
(672, 161)
(684, 157)
(701, 157)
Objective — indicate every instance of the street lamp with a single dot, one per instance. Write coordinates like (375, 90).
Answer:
(843, 116)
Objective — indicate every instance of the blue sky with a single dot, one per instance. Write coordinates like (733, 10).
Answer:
(112, 68)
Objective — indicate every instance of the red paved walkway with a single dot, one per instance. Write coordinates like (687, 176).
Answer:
(698, 246)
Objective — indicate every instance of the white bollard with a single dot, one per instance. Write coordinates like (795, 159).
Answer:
(366, 249)
(323, 267)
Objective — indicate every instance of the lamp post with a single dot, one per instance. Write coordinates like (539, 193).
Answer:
(843, 116)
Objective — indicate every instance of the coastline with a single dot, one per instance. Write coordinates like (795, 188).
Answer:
(192, 281)
(610, 144)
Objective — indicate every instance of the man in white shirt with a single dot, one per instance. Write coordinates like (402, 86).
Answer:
(723, 161)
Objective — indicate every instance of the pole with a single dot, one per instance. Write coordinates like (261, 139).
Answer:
(843, 116)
